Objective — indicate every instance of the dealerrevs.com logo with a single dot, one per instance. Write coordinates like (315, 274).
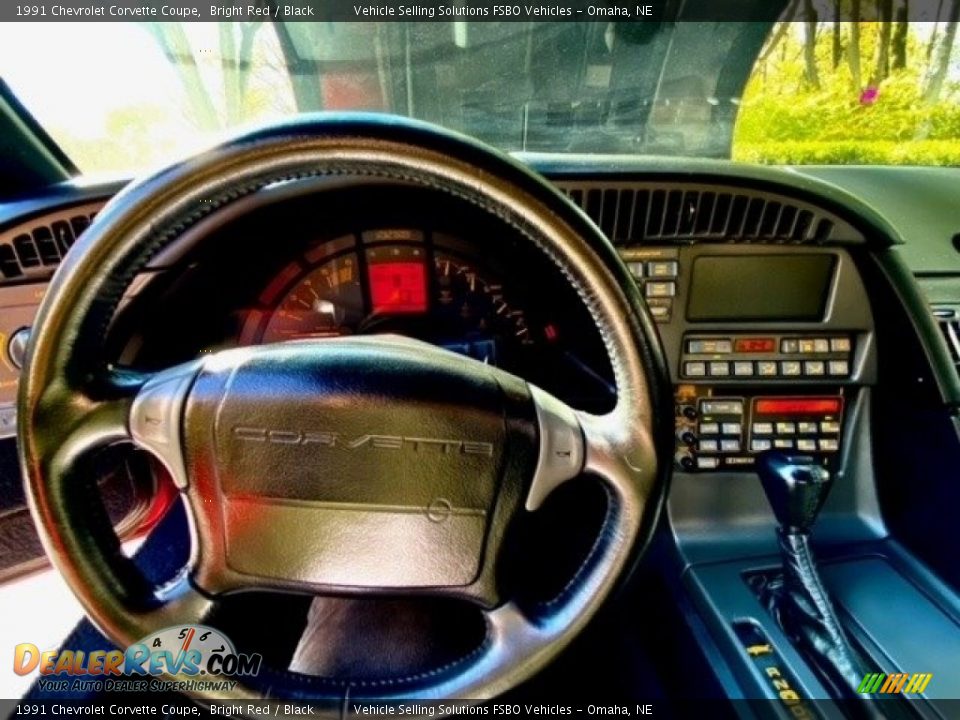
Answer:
(196, 656)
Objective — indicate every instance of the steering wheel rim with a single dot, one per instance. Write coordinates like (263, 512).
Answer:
(71, 402)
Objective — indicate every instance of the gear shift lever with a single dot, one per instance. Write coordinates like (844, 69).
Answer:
(796, 487)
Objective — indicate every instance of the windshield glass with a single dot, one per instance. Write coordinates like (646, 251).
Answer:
(118, 97)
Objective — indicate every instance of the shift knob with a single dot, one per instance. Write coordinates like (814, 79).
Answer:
(796, 487)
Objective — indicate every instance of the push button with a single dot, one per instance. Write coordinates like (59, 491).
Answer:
(839, 367)
(813, 367)
(695, 369)
(709, 429)
(719, 369)
(829, 445)
(786, 428)
(807, 445)
(767, 368)
(662, 269)
(829, 427)
(790, 368)
(707, 446)
(759, 445)
(660, 312)
(730, 446)
(840, 344)
(807, 428)
(782, 444)
(708, 463)
(743, 368)
(660, 289)
(731, 428)
(763, 428)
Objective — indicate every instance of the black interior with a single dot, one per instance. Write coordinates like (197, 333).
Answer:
(886, 540)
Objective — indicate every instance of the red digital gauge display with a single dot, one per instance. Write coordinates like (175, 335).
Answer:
(398, 287)
(754, 345)
(798, 406)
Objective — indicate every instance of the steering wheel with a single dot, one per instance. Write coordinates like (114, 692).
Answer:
(289, 456)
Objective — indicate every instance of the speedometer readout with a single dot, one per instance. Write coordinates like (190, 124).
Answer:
(409, 288)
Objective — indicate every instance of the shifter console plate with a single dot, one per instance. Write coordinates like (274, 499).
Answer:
(770, 665)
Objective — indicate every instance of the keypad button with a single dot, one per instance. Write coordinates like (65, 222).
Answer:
(709, 428)
(782, 444)
(790, 368)
(708, 463)
(786, 428)
(719, 369)
(813, 367)
(721, 407)
(829, 444)
(840, 344)
(807, 445)
(807, 428)
(660, 312)
(730, 446)
(759, 445)
(821, 345)
(662, 269)
(767, 369)
(731, 428)
(636, 269)
(695, 369)
(762, 428)
(743, 368)
(660, 289)
(830, 427)
(709, 347)
(806, 346)
(707, 446)
(838, 367)
(788, 346)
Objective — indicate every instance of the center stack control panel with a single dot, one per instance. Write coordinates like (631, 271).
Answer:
(753, 371)
(742, 394)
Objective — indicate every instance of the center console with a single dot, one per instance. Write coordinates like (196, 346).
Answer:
(771, 347)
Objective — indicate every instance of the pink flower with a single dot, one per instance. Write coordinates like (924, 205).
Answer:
(869, 95)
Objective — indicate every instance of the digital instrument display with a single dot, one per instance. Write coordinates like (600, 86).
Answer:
(398, 287)
(760, 287)
(798, 406)
(754, 345)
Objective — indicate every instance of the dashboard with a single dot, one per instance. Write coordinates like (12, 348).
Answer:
(753, 293)
(761, 289)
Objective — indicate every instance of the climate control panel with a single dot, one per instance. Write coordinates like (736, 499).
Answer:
(767, 357)
(721, 431)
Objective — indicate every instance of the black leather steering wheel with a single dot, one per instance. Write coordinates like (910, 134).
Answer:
(243, 431)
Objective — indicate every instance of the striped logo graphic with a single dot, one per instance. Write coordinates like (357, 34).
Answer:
(895, 683)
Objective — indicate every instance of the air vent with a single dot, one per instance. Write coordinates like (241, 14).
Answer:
(34, 249)
(678, 213)
(948, 319)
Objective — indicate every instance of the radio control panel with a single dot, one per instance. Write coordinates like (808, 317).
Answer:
(725, 432)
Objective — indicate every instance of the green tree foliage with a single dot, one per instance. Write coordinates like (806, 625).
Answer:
(896, 100)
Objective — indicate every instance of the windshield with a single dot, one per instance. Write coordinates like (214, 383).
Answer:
(118, 97)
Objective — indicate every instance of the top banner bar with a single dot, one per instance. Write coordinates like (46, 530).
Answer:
(477, 11)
